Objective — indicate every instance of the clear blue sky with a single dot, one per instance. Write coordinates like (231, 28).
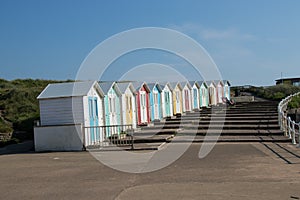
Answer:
(252, 42)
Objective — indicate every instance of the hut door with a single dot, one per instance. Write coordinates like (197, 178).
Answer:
(226, 91)
(128, 109)
(94, 119)
(167, 103)
(187, 98)
(203, 102)
(155, 102)
(143, 106)
(195, 98)
(112, 110)
(211, 95)
(178, 102)
(220, 94)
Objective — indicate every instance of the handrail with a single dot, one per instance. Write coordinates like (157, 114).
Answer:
(287, 125)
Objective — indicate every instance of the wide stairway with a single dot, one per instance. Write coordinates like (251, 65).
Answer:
(243, 122)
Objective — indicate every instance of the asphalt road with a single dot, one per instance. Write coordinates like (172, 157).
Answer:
(230, 171)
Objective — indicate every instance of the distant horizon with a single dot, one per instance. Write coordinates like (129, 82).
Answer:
(232, 85)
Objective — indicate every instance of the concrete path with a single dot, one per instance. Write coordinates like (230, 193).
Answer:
(230, 171)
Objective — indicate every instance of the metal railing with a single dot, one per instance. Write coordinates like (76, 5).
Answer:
(106, 136)
(288, 126)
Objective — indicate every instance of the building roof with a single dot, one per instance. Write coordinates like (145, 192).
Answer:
(192, 83)
(107, 85)
(73, 89)
(202, 82)
(137, 86)
(210, 82)
(289, 79)
(152, 85)
(124, 85)
(227, 81)
(174, 84)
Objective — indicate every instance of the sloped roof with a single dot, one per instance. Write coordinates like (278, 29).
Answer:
(107, 85)
(137, 86)
(192, 83)
(174, 84)
(74, 89)
(184, 83)
(164, 84)
(152, 85)
(124, 85)
(227, 81)
(203, 82)
(219, 81)
(211, 82)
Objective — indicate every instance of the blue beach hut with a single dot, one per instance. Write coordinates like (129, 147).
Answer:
(166, 100)
(155, 101)
(112, 105)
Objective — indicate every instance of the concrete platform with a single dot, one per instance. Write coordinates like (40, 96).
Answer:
(230, 171)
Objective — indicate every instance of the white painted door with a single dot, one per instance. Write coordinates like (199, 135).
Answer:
(112, 110)
(177, 93)
(143, 106)
(203, 92)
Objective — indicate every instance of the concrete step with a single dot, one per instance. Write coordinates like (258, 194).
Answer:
(213, 126)
(201, 122)
(237, 132)
(233, 139)
(216, 118)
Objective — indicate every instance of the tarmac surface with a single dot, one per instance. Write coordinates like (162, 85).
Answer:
(230, 171)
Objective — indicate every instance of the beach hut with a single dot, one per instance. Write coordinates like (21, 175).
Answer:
(112, 106)
(142, 103)
(195, 94)
(220, 91)
(177, 98)
(227, 85)
(186, 96)
(128, 105)
(65, 109)
(204, 95)
(167, 100)
(212, 92)
(155, 101)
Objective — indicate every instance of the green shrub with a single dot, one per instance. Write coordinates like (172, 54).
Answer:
(19, 105)
(295, 102)
(276, 92)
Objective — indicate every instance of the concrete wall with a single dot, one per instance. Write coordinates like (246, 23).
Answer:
(58, 138)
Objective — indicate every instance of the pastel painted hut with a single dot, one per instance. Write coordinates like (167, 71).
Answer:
(177, 98)
(155, 101)
(212, 92)
(195, 95)
(220, 91)
(167, 100)
(142, 103)
(186, 96)
(204, 95)
(112, 106)
(128, 104)
(65, 109)
(227, 85)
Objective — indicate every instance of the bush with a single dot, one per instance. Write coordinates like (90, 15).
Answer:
(294, 103)
(19, 105)
(276, 92)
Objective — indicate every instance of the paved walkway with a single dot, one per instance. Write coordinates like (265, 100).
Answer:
(230, 171)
